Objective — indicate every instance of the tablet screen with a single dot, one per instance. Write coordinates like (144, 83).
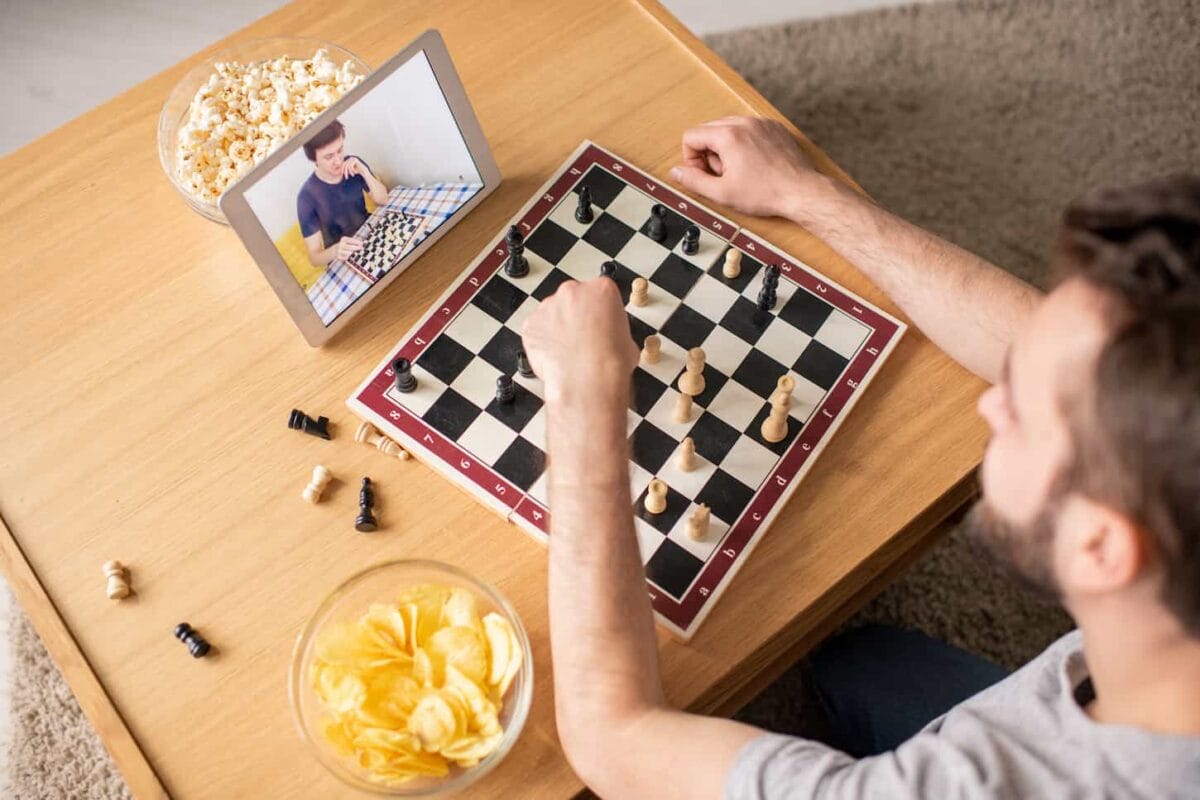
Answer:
(367, 188)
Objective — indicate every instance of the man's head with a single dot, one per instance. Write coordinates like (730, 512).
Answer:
(1092, 477)
(327, 149)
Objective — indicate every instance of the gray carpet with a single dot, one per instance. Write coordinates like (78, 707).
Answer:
(978, 120)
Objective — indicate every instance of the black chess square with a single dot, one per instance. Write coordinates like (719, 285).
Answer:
(649, 447)
(550, 241)
(499, 298)
(759, 373)
(713, 381)
(820, 365)
(516, 414)
(675, 226)
(713, 437)
(445, 359)
(608, 235)
(750, 268)
(677, 504)
(672, 568)
(687, 328)
(522, 463)
(550, 284)
(639, 330)
(623, 276)
(451, 414)
(725, 495)
(806, 311)
(603, 186)
(745, 320)
(501, 350)
(646, 391)
(780, 447)
(676, 275)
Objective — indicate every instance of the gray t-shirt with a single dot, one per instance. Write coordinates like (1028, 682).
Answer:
(1025, 737)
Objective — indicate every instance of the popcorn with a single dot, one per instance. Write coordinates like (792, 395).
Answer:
(244, 111)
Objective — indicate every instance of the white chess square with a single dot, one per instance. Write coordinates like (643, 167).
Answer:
(660, 305)
(477, 382)
(639, 479)
(749, 462)
(534, 384)
(690, 483)
(663, 415)
(805, 397)
(724, 351)
(736, 405)
(563, 215)
(709, 248)
(631, 206)
(648, 539)
(535, 429)
(701, 548)
(582, 262)
(671, 361)
(632, 420)
(711, 298)
(418, 401)
(783, 342)
(643, 255)
(842, 334)
(486, 438)
(517, 321)
(540, 490)
(472, 328)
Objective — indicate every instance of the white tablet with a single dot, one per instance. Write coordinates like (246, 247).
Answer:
(340, 210)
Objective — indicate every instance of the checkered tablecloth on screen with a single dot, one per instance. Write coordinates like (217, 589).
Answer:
(341, 285)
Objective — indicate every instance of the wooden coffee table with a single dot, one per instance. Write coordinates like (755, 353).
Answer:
(146, 372)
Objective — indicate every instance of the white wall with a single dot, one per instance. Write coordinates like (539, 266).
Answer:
(402, 128)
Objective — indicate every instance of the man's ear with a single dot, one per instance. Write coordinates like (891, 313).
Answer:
(1099, 548)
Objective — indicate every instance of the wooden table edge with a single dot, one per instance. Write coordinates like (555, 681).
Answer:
(97, 706)
(131, 760)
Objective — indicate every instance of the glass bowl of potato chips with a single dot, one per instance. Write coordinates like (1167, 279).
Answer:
(235, 107)
(412, 679)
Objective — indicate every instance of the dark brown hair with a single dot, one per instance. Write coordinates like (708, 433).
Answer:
(330, 133)
(1136, 429)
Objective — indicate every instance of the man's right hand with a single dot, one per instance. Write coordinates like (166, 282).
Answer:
(750, 164)
(348, 246)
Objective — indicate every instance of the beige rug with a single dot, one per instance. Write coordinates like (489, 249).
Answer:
(979, 120)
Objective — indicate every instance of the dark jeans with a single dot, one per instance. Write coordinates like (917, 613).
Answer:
(879, 685)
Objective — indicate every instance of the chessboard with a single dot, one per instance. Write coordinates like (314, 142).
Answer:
(390, 236)
(829, 342)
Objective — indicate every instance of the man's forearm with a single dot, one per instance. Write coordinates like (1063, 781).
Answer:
(967, 306)
(375, 188)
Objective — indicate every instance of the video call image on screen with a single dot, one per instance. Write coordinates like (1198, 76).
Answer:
(360, 195)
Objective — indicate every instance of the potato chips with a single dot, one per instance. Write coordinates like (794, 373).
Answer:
(411, 689)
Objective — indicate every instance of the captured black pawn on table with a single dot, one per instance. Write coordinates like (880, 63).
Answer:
(583, 211)
(365, 522)
(405, 380)
(196, 644)
(691, 240)
(516, 266)
(299, 421)
(657, 229)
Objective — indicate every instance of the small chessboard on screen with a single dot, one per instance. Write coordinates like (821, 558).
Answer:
(829, 342)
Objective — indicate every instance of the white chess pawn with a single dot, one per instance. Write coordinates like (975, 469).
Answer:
(692, 380)
(683, 408)
(686, 460)
(320, 479)
(651, 349)
(639, 291)
(656, 497)
(733, 263)
(118, 580)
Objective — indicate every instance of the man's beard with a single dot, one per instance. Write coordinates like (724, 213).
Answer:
(1024, 551)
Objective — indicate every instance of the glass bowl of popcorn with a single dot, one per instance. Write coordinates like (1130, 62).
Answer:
(411, 679)
(234, 108)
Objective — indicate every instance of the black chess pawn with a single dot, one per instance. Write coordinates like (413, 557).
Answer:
(405, 380)
(691, 240)
(608, 270)
(771, 275)
(766, 297)
(299, 421)
(583, 211)
(523, 367)
(365, 522)
(516, 266)
(505, 390)
(196, 644)
(657, 229)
